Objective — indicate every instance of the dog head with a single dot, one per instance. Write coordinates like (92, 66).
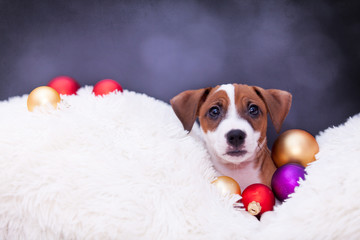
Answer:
(233, 117)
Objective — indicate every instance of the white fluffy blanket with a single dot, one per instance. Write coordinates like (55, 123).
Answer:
(121, 167)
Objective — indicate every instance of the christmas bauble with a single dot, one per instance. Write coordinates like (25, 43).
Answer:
(64, 85)
(43, 96)
(106, 86)
(295, 146)
(257, 199)
(227, 185)
(285, 180)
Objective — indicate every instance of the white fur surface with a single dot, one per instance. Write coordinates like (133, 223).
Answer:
(121, 167)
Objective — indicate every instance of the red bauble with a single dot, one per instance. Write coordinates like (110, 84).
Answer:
(106, 86)
(257, 199)
(64, 85)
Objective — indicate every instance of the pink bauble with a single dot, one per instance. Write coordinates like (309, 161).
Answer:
(64, 85)
(106, 86)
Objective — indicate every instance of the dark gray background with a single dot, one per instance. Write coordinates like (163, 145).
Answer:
(310, 48)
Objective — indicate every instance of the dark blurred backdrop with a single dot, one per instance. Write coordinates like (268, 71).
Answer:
(310, 48)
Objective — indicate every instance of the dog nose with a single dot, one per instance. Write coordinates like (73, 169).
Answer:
(235, 137)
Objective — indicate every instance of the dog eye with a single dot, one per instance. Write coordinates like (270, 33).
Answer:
(253, 110)
(214, 112)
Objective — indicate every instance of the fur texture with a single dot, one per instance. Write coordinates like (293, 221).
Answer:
(122, 167)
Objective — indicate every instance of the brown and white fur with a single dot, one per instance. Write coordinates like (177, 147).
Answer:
(233, 122)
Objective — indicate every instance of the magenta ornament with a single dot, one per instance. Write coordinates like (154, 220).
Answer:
(286, 178)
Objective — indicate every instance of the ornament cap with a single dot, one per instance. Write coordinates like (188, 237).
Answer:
(254, 208)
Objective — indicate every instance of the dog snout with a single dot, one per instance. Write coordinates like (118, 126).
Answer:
(236, 137)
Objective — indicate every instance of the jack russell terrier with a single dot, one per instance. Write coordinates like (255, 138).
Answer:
(233, 122)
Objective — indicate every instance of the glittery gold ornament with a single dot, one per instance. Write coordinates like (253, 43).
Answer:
(294, 146)
(42, 96)
(227, 185)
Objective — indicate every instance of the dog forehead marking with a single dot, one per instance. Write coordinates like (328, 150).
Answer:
(233, 119)
(230, 91)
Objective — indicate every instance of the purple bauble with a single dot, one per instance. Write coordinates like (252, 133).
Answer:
(286, 178)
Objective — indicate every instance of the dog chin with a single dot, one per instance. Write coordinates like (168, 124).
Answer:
(231, 158)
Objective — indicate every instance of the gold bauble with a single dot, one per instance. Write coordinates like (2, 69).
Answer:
(42, 96)
(227, 185)
(294, 146)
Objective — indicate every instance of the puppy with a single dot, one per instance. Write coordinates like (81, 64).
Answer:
(233, 124)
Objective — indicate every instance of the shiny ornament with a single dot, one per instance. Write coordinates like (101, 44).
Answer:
(106, 86)
(64, 85)
(257, 199)
(294, 146)
(286, 179)
(43, 96)
(227, 185)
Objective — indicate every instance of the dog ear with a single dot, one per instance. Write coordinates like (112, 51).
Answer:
(186, 106)
(278, 104)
